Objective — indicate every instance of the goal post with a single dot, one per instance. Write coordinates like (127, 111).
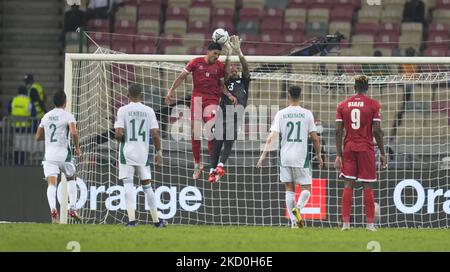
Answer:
(414, 191)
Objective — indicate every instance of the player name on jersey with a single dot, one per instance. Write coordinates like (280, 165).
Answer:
(294, 115)
(356, 104)
(137, 114)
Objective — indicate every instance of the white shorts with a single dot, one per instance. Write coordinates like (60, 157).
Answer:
(298, 175)
(127, 171)
(53, 168)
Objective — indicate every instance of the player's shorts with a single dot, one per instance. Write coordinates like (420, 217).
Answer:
(127, 171)
(359, 166)
(298, 175)
(195, 105)
(53, 168)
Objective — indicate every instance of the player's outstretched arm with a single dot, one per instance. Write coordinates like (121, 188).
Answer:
(235, 43)
(316, 142)
(339, 133)
(270, 140)
(171, 93)
(157, 142)
(75, 140)
(378, 135)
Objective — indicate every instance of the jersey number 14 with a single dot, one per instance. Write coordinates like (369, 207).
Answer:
(140, 132)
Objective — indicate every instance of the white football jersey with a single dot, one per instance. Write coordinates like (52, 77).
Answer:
(57, 142)
(294, 124)
(137, 120)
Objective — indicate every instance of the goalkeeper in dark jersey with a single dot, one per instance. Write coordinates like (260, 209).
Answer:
(226, 127)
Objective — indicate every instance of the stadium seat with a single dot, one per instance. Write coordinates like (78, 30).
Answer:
(201, 3)
(412, 29)
(295, 15)
(259, 4)
(248, 48)
(228, 4)
(226, 12)
(292, 36)
(175, 26)
(438, 28)
(369, 15)
(148, 26)
(198, 26)
(348, 4)
(395, 4)
(124, 47)
(248, 27)
(276, 4)
(222, 22)
(303, 4)
(366, 28)
(344, 28)
(199, 50)
(149, 10)
(318, 15)
(386, 40)
(273, 13)
(441, 16)
(176, 13)
(125, 26)
(294, 26)
(408, 40)
(341, 14)
(438, 38)
(442, 4)
(271, 23)
(145, 45)
(435, 52)
(320, 4)
(250, 14)
(175, 50)
(98, 25)
(364, 42)
(316, 28)
(351, 69)
(170, 39)
(126, 12)
(392, 15)
(199, 14)
(179, 3)
(389, 27)
(271, 37)
(195, 39)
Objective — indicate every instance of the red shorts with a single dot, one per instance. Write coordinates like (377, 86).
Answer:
(198, 106)
(359, 166)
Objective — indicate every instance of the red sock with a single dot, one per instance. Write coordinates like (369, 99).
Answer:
(210, 146)
(369, 205)
(196, 144)
(347, 200)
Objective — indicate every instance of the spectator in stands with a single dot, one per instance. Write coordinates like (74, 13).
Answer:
(31, 84)
(414, 11)
(100, 9)
(21, 106)
(73, 18)
(39, 106)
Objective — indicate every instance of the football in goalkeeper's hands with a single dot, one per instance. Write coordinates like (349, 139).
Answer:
(220, 35)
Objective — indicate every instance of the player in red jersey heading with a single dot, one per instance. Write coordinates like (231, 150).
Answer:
(360, 116)
(208, 75)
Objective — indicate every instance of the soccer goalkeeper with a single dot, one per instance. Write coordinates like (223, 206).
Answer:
(226, 131)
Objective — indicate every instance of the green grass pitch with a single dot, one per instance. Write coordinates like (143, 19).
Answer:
(194, 238)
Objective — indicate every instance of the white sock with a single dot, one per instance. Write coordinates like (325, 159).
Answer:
(220, 164)
(72, 191)
(290, 203)
(211, 170)
(130, 200)
(151, 202)
(51, 196)
(303, 199)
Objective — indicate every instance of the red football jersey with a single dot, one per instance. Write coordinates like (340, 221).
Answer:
(358, 112)
(206, 78)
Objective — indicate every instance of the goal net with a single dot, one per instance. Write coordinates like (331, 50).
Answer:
(413, 191)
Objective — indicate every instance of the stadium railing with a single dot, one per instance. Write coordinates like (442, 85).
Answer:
(18, 146)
